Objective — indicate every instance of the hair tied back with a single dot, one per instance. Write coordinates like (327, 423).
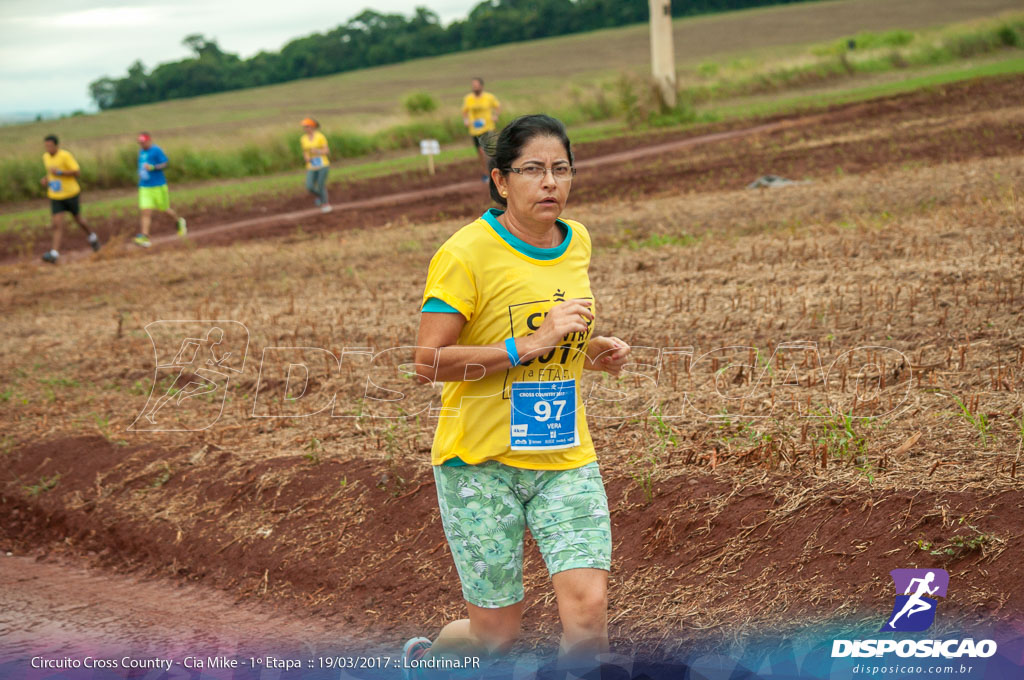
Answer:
(489, 143)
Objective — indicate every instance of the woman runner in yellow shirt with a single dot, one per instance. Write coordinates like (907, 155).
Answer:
(507, 325)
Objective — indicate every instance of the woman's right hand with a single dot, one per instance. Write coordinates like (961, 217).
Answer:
(571, 316)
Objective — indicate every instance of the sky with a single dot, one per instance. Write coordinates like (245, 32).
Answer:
(50, 51)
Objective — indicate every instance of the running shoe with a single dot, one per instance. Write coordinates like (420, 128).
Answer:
(182, 229)
(50, 256)
(94, 241)
(413, 650)
(326, 208)
(142, 241)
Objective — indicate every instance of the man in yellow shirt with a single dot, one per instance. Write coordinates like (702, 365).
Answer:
(316, 153)
(480, 111)
(61, 182)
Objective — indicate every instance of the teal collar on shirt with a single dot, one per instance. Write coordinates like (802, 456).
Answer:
(491, 217)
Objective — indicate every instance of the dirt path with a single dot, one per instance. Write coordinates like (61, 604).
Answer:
(57, 610)
(468, 188)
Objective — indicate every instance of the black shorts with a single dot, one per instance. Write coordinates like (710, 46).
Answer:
(59, 205)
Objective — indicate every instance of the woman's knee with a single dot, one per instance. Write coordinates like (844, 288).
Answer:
(583, 597)
(589, 610)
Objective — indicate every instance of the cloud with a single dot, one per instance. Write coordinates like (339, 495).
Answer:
(103, 37)
(107, 17)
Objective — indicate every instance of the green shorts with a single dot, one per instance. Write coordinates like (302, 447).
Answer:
(154, 198)
(485, 508)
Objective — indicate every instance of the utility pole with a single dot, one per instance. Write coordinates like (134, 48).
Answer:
(663, 55)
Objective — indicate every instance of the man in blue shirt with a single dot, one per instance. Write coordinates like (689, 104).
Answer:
(153, 193)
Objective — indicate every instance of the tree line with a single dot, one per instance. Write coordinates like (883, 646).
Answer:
(373, 39)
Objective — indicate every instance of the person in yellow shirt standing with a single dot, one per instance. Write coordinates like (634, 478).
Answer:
(480, 111)
(63, 190)
(317, 156)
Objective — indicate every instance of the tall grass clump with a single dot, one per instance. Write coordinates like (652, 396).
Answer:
(967, 44)
(410, 134)
(116, 168)
(866, 41)
(345, 144)
(418, 103)
(873, 53)
(1011, 36)
(19, 179)
(589, 105)
(639, 100)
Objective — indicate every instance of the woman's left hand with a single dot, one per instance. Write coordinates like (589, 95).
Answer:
(607, 353)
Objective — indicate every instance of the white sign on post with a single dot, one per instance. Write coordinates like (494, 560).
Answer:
(430, 148)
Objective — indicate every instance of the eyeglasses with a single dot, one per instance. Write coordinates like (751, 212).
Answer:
(562, 172)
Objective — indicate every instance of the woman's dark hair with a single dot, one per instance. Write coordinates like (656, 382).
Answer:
(51, 138)
(518, 134)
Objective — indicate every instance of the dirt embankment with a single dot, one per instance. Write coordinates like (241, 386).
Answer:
(360, 541)
(954, 122)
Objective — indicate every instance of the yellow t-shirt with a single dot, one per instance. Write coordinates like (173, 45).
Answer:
(318, 142)
(479, 110)
(59, 187)
(483, 272)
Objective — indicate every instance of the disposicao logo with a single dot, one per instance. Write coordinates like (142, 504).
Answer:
(914, 611)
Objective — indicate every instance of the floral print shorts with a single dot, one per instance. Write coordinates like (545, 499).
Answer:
(486, 507)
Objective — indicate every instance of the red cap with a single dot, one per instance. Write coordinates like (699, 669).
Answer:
(143, 137)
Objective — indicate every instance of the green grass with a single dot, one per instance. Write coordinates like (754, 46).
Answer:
(810, 102)
(979, 421)
(658, 241)
(895, 51)
(234, 192)
(45, 484)
(840, 436)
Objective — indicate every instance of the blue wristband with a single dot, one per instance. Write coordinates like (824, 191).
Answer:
(513, 353)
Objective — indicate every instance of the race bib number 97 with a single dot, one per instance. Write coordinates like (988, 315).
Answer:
(543, 416)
